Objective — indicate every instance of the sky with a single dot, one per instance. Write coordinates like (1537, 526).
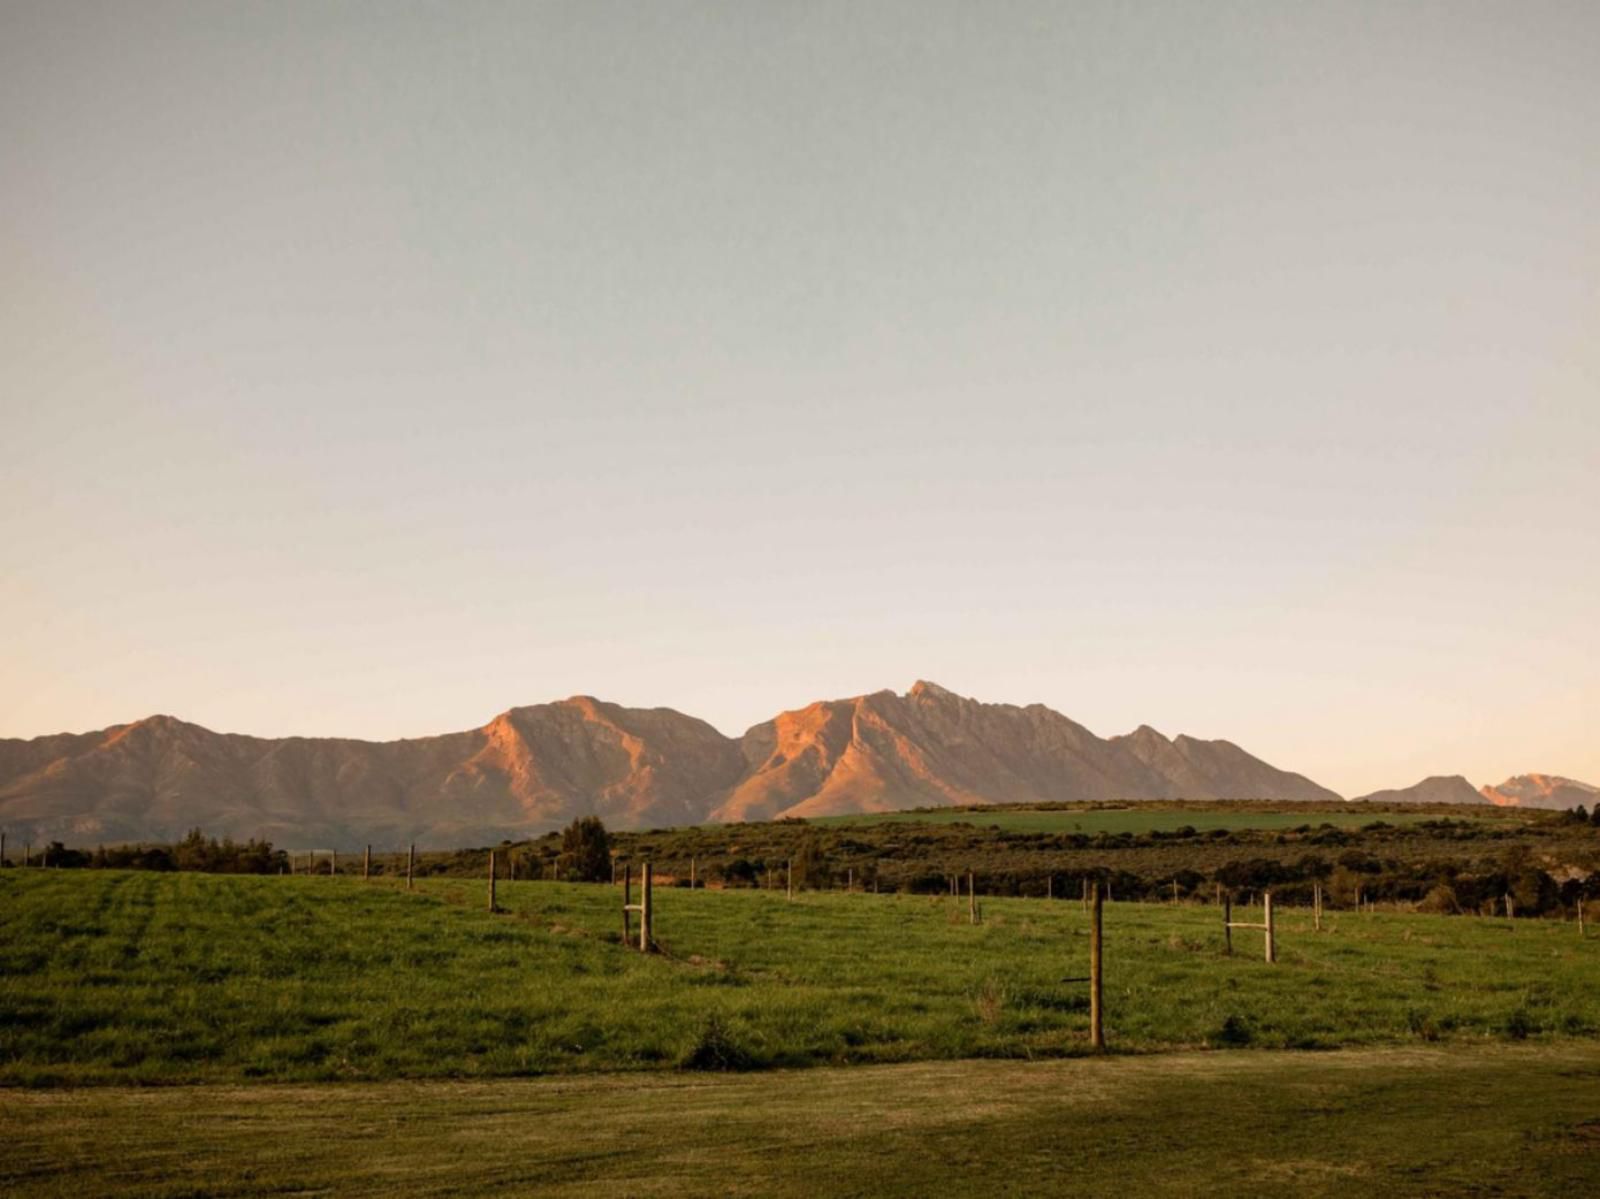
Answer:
(367, 369)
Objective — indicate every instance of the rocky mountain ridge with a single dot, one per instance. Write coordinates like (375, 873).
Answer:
(532, 769)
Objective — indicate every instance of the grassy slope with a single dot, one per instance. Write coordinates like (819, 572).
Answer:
(108, 976)
(1507, 1121)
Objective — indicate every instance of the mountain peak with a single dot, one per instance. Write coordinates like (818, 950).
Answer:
(1541, 791)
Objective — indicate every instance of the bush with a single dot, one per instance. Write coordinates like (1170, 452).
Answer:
(586, 851)
(1441, 900)
(1519, 1025)
(716, 1049)
(1234, 1031)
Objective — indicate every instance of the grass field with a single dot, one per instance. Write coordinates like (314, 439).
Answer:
(1137, 819)
(1485, 1120)
(110, 977)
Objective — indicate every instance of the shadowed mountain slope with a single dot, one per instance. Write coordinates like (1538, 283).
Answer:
(1438, 788)
(533, 769)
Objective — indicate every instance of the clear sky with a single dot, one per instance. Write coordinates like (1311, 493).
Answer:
(367, 369)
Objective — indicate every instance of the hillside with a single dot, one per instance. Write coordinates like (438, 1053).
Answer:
(534, 768)
(1438, 788)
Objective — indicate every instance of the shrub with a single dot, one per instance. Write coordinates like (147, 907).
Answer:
(1441, 900)
(716, 1049)
(586, 851)
(1234, 1031)
(1519, 1024)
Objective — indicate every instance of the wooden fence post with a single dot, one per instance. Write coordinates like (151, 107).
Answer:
(1580, 915)
(1227, 925)
(850, 879)
(788, 883)
(972, 898)
(692, 871)
(1316, 905)
(333, 862)
(1086, 894)
(366, 863)
(411, 864)
(1266, 899)
(647, 939)
(1050, 886)
(1174, 892)
(491, 881)
(2, 849)
(1097, 1032)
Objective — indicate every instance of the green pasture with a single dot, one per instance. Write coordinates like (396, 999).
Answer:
(111, 977)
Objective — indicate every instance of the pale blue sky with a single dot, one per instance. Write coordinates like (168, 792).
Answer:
(366, 369)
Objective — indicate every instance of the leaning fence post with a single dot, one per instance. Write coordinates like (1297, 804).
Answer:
(411, 864)
(1227, 925)
(1266, 900)
(1097, 1032)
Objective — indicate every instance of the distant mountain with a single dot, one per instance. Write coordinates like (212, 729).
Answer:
(527, 770)
(1438, 788)
(533, 769)
(1542, 791)
(930, 747)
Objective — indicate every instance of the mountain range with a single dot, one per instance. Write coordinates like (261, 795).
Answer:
(1519, 791)
(532, 769)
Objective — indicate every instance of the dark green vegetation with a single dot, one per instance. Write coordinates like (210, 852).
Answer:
(142, 977)
(1509, 1121)
(195, 852)
(1451, 860)
(1145, 817)
(1466, 859)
